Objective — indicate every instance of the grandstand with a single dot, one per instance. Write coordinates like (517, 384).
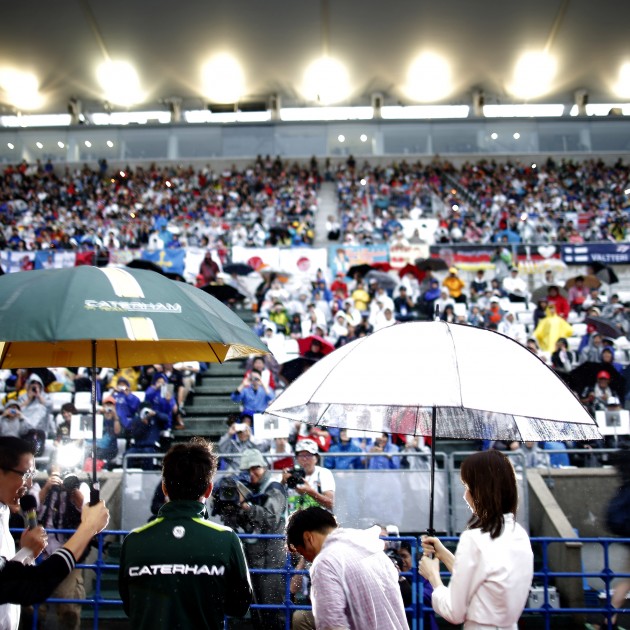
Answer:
(257, 178)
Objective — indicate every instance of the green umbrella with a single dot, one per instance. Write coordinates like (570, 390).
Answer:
(114, 317)
(49, 318)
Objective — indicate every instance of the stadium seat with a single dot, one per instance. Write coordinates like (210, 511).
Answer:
(58, 399)
(83, 401)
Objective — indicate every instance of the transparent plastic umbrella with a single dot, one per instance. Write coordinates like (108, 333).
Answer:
(438, 379)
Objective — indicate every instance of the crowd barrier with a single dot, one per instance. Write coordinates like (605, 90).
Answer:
(544, 608)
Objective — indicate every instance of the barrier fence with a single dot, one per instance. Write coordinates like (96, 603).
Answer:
(549, 612)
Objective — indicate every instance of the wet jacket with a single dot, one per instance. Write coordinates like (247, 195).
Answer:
(182, 571)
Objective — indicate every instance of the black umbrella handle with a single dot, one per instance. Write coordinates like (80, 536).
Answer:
(95, 494)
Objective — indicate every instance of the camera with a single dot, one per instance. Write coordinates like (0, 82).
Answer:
(297, 476)
(228, 493)
(394, 556)
(71, 482)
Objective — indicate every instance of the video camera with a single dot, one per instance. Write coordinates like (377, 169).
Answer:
(228, 493)
(297, 476)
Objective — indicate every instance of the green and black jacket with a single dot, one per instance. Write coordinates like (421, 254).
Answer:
(182, 571)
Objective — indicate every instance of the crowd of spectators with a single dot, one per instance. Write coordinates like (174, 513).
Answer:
(139, 406)
(487, 201)
(269, 203)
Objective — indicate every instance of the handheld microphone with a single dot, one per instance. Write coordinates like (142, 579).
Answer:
(28, 503)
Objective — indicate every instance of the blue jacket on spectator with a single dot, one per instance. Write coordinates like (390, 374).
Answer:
(344, 463)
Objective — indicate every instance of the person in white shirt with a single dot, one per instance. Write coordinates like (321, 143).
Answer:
(493, 565)
(354, 585)
(515, 286)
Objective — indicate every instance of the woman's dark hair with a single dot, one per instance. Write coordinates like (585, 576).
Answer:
(312, 519)
(491, 481)
(189, 469)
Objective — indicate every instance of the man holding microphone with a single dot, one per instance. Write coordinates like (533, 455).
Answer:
(19, 583)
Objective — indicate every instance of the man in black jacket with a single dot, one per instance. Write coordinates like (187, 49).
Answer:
(181, 570)
(19, 583)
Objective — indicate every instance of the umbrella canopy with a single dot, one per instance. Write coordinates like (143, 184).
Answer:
(240, 269)
(590, 282)
(605, 327)
(585, 375)
(290, 370)
(223, 292)
(304, 344)
(605, 273)
(434, 264)
(147, 265)
(441, 380)
(384, 279)
(541, 292)
(413, 270)
(361, 269)
(136, 317)
(381, 266)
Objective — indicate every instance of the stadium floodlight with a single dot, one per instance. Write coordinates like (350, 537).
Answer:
(326, 81)
(429, 78)
(21, 89)
(223, 80)
(622, 87)
(120, 83)
(533, 75)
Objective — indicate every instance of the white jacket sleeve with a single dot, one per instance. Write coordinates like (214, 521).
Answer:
(469, 571)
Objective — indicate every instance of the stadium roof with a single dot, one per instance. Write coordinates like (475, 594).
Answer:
(62, 43)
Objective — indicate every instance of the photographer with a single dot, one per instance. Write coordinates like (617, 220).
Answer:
(36, 407)
(308, 483)
(12, 421)
(127, 404)
(146, 432)
(107, 445)
(260, 508)
(61, 501)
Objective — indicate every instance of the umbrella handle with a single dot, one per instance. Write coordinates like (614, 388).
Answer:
(95, 493)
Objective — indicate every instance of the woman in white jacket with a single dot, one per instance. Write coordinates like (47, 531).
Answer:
(492, 569)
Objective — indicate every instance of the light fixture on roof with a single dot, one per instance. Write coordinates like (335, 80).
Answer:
(533, 75)
(429, 78)
(21, 89)
(75, 109)
(222, 79)
(580, 98)
(326, 81)
(174, 104)
(478, 101)
(120, 83)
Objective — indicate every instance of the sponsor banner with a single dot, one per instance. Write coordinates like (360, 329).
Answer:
(54, 259)
(342, 257)
(170, 260)
(401, 256)
(17, 261)
(529, 258)
(605, 253)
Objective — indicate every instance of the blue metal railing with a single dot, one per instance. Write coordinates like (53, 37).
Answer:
(417, 610)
